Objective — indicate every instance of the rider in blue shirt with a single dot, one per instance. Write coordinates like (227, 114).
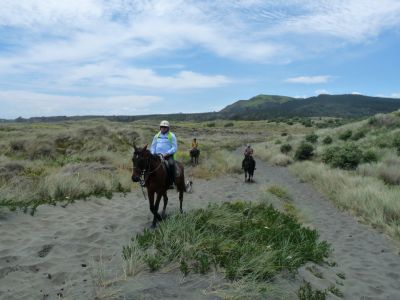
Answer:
(165, 144)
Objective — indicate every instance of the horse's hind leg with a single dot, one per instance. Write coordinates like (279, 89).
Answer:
(165, 198)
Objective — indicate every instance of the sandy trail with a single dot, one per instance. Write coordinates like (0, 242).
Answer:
(64, 252)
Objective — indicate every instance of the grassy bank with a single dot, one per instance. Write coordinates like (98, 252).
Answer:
(356, 165)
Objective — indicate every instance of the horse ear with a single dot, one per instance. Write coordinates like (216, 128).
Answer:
(145, 147)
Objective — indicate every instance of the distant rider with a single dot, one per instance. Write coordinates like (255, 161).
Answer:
(248, 154)
(195, 144)
(165, 144)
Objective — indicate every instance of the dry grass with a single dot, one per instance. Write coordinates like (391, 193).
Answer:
(366, 197)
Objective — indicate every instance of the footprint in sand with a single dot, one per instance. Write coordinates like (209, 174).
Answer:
(45, 250)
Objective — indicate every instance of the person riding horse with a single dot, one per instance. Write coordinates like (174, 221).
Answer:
(248, 154)
(165, 144)
(248, 163)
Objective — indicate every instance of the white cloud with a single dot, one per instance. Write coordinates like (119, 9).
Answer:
(21, 103)
(319, 92)
(309, 79)
(395, 95)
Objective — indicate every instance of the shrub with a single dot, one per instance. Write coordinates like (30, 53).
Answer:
(312, 138)
(278, 142)
(369, 156)
(327, 140)
(17, 146)
(396, 143)
(304, 151)
(307, 123)
(346, 157)
(358, 135)
(345, 135)
(286, 148)
(210, 124)
(230, 124)
(284, 134)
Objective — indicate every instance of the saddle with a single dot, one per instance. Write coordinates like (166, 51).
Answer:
(167, 168)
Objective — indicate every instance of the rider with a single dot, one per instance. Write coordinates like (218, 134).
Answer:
(195, 144)
(165, 144)
(248, 153)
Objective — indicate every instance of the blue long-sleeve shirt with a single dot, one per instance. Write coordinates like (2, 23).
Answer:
(162, 145)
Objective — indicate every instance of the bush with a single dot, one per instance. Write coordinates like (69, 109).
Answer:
(286, 148)
(17, 146)
(345, 135)
(396, 143)
(230, 124)
(278, 142)
(346, 157)
(369, 156)
(304, 151)
(327, 140)
(358, 135)
(210, 124)
(284, 134)
(307, 123)
(312, 138)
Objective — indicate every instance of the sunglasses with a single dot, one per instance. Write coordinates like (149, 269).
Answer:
(163, 127)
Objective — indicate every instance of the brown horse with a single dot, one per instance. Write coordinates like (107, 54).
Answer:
(151, 172)
(194, 156)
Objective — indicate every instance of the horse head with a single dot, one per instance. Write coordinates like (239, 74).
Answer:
(141, 162)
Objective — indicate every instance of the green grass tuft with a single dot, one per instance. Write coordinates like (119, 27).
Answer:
(246, 241)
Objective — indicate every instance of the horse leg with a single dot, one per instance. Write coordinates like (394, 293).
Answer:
(165, 198)
(152, 208)
(156, 206)
(180, 200)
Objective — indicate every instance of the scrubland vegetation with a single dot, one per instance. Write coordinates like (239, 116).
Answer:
(49, 162)
(249, 243)
(357, 165)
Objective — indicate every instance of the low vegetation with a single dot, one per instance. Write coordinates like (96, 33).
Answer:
(357, 165)
(69, 160)
(248, 242)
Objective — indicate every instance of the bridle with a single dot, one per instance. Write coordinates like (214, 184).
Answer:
(146, 172)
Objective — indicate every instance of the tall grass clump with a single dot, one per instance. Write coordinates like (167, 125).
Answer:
(365, 196)
(219, 163)
(251, 242)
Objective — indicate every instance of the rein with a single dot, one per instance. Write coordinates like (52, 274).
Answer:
(145, 173)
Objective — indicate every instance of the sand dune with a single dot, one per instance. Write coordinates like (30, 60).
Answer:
(75, 252)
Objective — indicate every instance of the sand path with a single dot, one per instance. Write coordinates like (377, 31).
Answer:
(67, 252)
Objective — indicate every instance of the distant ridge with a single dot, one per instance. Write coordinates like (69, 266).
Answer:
(348, 105)
(266, 107)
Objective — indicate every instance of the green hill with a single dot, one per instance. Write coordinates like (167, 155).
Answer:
(349, 105)
(268, 107)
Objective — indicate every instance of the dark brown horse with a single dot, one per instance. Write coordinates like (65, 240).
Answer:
(150, 171)
(248, 165)
(194, 156)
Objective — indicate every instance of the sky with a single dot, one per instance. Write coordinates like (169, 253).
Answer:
(135, 57)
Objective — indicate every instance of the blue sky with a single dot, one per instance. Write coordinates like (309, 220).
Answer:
(130, 57)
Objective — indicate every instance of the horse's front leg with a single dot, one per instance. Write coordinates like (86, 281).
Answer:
(152, 207)
(165, 198)
(157, 216)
